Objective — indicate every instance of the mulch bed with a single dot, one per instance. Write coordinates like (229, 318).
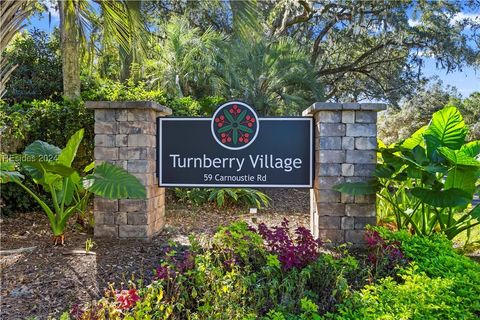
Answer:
(46, 281)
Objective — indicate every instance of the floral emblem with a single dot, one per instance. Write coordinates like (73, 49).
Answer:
(234, 125)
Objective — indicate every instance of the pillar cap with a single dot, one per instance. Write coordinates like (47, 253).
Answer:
(148, 105)
(334, 106)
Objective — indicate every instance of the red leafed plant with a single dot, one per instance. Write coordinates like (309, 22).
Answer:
(293, 251)
(127, 298)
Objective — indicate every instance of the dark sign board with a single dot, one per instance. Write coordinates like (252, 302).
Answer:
(235, 148)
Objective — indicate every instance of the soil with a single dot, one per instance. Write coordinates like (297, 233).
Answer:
(48, 280)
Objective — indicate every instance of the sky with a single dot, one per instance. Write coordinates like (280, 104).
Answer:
(466, 81)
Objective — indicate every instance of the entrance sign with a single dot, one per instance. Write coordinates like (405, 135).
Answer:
(235, 148)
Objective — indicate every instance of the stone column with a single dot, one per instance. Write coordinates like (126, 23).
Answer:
(345, 144)
(125, 135)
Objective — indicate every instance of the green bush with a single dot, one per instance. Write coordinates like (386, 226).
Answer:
(108, 90)
(439, 284)
(39, 67)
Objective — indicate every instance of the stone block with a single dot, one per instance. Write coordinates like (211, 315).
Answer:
(141, 140)
(360, 210)
(361, 130)
(132, 205)
(331, 156)
(331, 129)
(355, 236)
(328, 116)
(348, 223)
(368, 198)
(140, 115)
(121, 115)
(102, 127)
(137, 153)
(133, 231)
(330, 143)
(328, 196)
(351, 106)
(373, 106)
(105, 231)
(346, 198)
(347, 169)
(348, 116)
(105, 153)
(348, 143)
(364, 170)
(121, 218)
(362, 222)
(334, 235)
(328, 169)
(104, 140)
(139, 166)
(121, 164)
(105, 205)
(361, 156)
(365, 116)
(137, 218)
(331, 209)
(366, 143)
(328, 182)
(329, 222)
(105, 115)
(137, 127)
(121, 140)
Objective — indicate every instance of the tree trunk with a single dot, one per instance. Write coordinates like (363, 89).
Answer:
(70, 50)
(126, 59)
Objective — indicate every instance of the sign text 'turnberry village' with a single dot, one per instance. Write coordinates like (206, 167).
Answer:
(235, 148)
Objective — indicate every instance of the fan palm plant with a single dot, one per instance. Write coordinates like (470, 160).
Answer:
(272, 74)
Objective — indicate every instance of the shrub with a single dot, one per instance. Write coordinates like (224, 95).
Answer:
(292, 252)
(223, 196)
(442, 283)
(39, 67)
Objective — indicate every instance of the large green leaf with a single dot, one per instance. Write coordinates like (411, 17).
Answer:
(50, 166)
(112, 182)
(357, 188)
(458, 157)
(471, 148)
(8, 173)
(446, 129)
(463, 178)
(67, 155)
(443, 198)
(42, 150)
(415, 139)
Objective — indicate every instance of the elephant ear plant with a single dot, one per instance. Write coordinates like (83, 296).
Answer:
(428, 180)
(51, 167)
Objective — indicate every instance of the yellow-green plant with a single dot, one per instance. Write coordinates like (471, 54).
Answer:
(428, 180)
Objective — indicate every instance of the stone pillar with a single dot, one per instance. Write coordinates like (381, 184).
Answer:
(125, 135)
(345, 144)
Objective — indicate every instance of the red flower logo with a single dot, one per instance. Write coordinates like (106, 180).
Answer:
(235, 125)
